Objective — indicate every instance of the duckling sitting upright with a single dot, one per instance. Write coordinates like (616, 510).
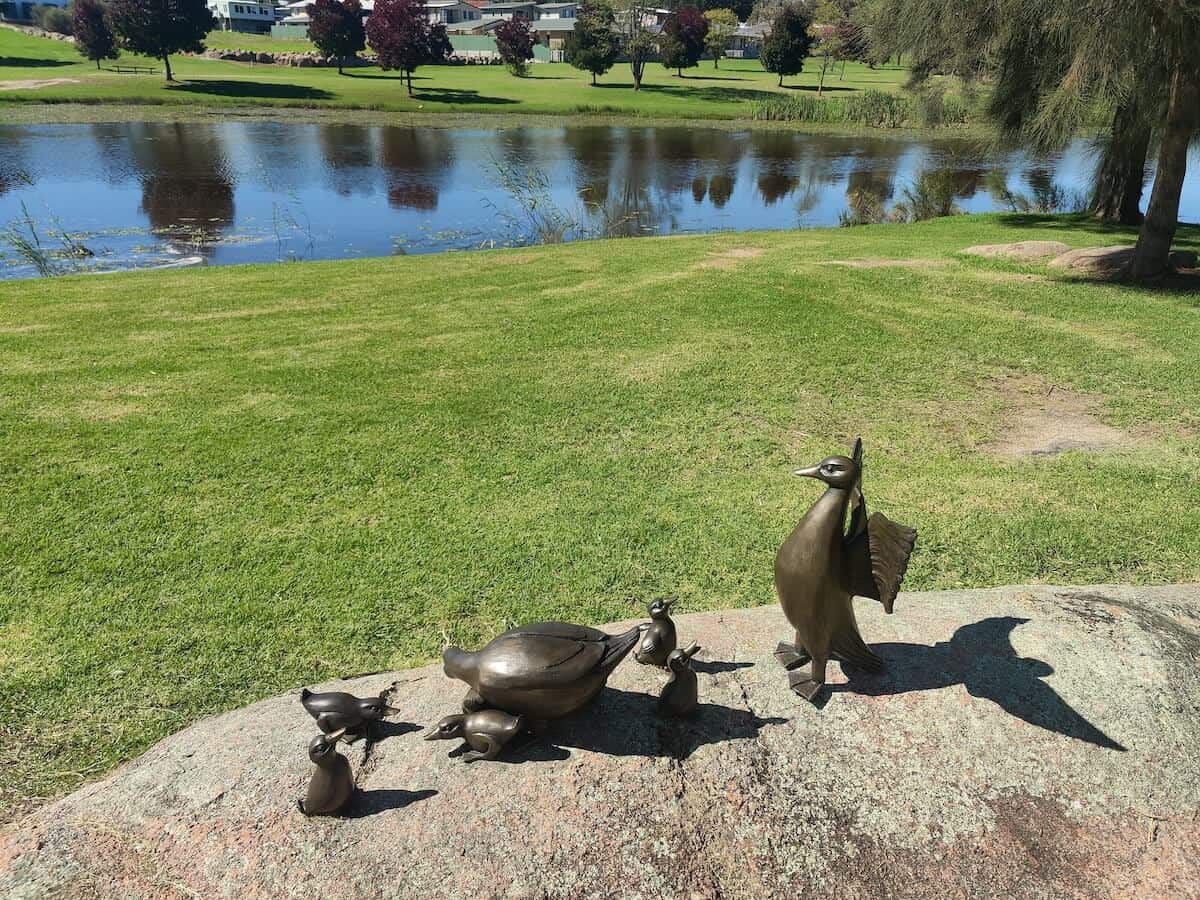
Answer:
(335, 710)
(332, 784)
(658, 635)
(486, 732)
(679, 695)
(819, 570)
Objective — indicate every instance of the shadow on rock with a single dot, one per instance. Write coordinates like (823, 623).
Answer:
(368, 803)
(981, 657)
(717, 667)
(625, 723)
(385, 729)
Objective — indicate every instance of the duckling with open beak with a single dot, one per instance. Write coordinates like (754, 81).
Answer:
(332, 784)
(680, 695)
(336, 710)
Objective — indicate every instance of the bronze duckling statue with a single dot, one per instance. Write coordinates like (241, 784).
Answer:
(658, 635)
(819, 569)
(541, 671)
(332, 784)
(486, 732)
(336, 710)
(679, 695)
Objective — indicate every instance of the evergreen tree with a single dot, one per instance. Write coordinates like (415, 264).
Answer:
(787, 44)
(93, 36)
(159, 28)
(336, 28)
(593, 46)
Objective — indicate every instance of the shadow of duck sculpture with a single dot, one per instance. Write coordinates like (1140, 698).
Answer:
(542, 671)
(819, 570)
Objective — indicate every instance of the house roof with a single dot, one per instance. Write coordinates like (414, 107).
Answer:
(556, 5)
(506, 6)
(552, 24)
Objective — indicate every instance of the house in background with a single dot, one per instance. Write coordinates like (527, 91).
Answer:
(450, 12)
(22, 11)
(747, 41)
(245, 17)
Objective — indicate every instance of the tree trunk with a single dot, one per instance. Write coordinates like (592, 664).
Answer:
(821, 83)
(593, 79)
(340, 72)
(636, 69)
(781, 79)
(166, 59)
(97, 65)
(1121, 174)
(1150, 258)
(408, 81)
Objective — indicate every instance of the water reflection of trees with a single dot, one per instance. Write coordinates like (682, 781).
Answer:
(187, 184)
(349, 157)
(415, 162)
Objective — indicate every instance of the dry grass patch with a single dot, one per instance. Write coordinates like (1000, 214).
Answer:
(729, 258)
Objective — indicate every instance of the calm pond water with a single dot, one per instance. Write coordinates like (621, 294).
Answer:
(237, 192)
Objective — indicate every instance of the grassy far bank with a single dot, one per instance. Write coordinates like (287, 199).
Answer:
(220, 484)
(551, 88)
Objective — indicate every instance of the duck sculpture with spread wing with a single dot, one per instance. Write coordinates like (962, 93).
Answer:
(820, 569)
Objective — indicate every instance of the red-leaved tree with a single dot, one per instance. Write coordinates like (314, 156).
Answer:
(682, 42)
(403, 39)
(514, 42)
(336, 28)
(93, 37)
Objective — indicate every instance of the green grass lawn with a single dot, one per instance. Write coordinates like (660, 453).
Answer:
(551, 88)
(220, 484)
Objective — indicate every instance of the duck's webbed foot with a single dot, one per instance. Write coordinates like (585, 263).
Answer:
(791, 656)
(493, 750)
(472, 702)
(803, 685)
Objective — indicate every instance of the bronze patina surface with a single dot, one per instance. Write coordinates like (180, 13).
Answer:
(332, 783)
(820, 569)
(658, 636)
(486, 732)
(336, 710)
(542, 671)
(680, 695)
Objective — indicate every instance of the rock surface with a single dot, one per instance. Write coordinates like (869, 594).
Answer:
(1022, 250)
(1102, 263)
(1022, 742)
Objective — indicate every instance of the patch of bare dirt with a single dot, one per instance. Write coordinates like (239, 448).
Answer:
(1046, 420)
(874, 262)
(33, 84)
(729, 258)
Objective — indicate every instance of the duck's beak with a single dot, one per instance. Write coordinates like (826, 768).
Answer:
(391, 710)
(431, 735)
(810, 472)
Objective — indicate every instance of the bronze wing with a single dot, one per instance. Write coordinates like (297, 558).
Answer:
(858, 503)
(877, 559)
(543, 655)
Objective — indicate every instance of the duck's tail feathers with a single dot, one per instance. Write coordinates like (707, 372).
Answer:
(305, 693)
(619, 647)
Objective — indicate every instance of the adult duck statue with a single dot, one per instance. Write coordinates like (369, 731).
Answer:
(542, 671)
(819, 570)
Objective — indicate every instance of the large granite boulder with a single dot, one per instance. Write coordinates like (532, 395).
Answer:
(1022, 742)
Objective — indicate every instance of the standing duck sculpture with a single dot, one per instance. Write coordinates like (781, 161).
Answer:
(680, 695)
(332, 782)
(542, 671)
(658, 635)
(820, 569)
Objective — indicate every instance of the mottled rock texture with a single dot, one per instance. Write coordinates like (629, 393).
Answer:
(1023, 742)
(1022, 250)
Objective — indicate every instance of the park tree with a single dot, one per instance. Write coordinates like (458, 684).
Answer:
(336, 29)
(94, 38)
(159, 28)
(852, 44)
(514, 42)
(682, 42)
(787, 44)
(1053, 63)
(593, 46)
(722, 25)
(828, 40)
(403, 39)
(636, 38)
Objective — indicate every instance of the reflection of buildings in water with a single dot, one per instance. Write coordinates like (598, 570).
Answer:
(415, 162)
(187, 187)
(348, 153)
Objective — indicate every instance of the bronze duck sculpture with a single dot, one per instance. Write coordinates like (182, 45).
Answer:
(658, 635)
(335, 710)
(819, 570)
(486, 732)
(542, 671)
(332, 782)
(680, 695)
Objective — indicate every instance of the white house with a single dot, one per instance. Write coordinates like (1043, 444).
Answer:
(450, 12)
(243, 15)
